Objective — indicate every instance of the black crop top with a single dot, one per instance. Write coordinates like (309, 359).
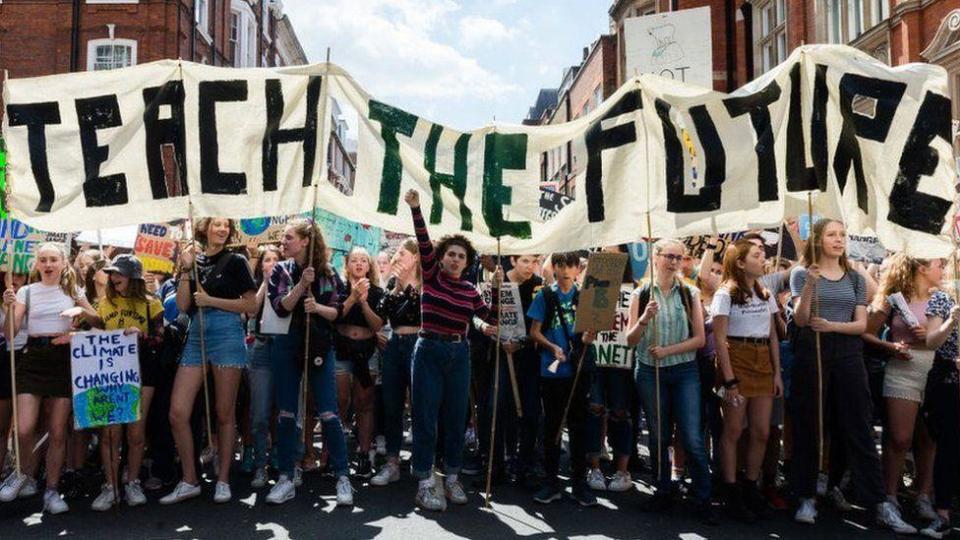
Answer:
(355, 315)
(401, 308)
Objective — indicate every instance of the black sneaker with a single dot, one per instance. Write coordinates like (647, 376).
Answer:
(735, 505)
(659, 503)
(582, 493)
(754, 500)
(364, 467)
(937, 528)
(548, 493)
(707, 513)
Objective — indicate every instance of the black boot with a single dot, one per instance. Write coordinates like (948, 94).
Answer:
(753, 499)
(735, 506)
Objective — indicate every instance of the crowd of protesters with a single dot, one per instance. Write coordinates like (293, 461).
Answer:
(757, 385)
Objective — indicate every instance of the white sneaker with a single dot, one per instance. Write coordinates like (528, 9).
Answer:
(297, 476)
(621, 481)
(389, 473)
(888, 516)
(344, 492)
(454, 492)
(282, 492)
(596, 481)
(428, 499)
(134, 494)
(222, 493)
(838, 500)
(924, 508)
(381, 443)
(807, 513)
(29, 489)
(13, 484)
(106, 499)
(822, 484)
(182, 492)
(259, 478)
(54, 503)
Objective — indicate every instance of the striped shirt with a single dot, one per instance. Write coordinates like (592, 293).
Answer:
(836, 301)
(446, 305)
(672, 325)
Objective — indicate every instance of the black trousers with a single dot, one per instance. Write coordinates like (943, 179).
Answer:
(847, 406)
(516, 437)
(554, 392)
(941, 410)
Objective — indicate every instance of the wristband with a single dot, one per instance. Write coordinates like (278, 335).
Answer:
(731, 383)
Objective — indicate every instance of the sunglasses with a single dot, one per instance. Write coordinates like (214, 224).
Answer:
(671, 257)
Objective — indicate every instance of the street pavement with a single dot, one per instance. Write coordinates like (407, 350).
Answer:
(389, 512)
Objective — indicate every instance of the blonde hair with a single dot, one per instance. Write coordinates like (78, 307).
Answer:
(373, 274)
(68, 277)
(662, 243)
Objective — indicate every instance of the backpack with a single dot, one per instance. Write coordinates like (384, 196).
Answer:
(553, 309)
(686, 297)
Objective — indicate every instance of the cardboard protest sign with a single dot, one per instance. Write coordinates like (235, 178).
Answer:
(19, 243)
(671, 45)
(262, 230)
(596, 309)
(611, 346)
(105, 376)
(157, 246)
(512, 327)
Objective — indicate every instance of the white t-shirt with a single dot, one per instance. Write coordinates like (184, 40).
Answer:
(46, 305)
(750, 320)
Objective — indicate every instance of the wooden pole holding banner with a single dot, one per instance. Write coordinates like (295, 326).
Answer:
(655, 339)
(304, 385)
(11, 336)
(815, 307)
(496, 379)
(513, 383)
(211, 449)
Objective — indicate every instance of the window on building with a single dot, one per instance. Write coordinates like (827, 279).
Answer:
(597, 96)
(242, 34)
(854, 19)
(879, 11)
(235, 37)
(202, 15)
(105, 54)
(846, 20)
(771, 32)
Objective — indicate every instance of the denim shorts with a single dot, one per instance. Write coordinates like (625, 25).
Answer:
(225, 345)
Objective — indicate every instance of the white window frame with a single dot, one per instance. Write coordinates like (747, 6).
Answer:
(246, 56)
(202, 18)
(772, 38)
(94, 43)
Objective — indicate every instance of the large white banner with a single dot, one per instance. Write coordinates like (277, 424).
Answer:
(675, 44)
(135, 145)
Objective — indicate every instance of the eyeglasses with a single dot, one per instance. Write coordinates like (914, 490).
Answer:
(671, 257)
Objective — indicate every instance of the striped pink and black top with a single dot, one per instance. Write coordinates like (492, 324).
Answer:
(447, 305)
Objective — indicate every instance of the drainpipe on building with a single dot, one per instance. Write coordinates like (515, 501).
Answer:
(730, 14)
(213, 36)
(75, 37)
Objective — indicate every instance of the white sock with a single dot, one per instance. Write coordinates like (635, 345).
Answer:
(451, 479)
(427, 482)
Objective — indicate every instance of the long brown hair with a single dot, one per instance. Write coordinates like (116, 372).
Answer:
(90, 279)
(261, 253)
(814, 248)
(303, 228)
(411, 246)
(203, 224)
(136, 290)
(68, 277)
(735, 278)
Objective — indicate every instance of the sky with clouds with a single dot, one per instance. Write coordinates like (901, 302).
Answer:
(460, 63)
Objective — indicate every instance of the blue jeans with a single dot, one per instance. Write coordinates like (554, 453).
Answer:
(397, 358)
(440, 388)
(680, 405)
(260, 377)
(287, 374)
(610, 396)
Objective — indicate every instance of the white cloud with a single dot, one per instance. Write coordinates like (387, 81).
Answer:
(479, 31)
(392, 48)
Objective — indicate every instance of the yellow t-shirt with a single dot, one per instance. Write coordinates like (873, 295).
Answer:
(121, 313)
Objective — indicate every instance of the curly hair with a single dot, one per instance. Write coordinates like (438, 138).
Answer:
(457, 240)
(900, 277)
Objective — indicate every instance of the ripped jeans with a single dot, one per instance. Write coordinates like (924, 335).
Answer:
(287, 374)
